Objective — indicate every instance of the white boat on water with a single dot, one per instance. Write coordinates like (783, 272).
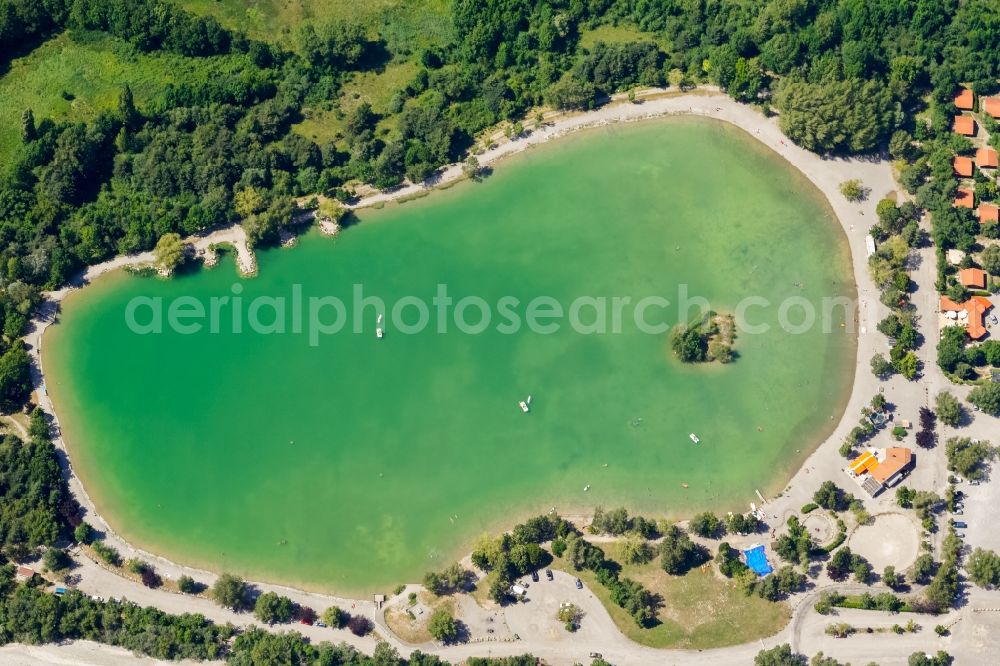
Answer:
(586, 488)
(378, 330)
(524, 406)
(694, 438)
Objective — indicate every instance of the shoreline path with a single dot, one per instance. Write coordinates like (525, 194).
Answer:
(599, 633)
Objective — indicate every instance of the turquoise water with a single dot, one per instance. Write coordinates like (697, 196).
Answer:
(361, 462)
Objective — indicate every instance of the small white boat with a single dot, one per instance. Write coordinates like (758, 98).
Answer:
(524, 406)
(694, 438)
(528, 401)
(378, 330)
(586, 488)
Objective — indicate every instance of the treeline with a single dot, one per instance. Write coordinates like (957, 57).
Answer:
(36, 508)
(30, 616)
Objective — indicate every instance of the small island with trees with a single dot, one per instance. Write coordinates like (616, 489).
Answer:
(708, 339)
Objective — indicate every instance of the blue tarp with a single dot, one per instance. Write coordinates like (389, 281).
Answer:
(757, 560)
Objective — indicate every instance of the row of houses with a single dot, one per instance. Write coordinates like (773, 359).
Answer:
(973, 311)
(986, 157)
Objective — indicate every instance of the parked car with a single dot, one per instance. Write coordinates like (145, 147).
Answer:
(596, 655)
(579, 584)
(548, 574)
(957, 511)
(958, 524)
(534, 576)
(320, 623)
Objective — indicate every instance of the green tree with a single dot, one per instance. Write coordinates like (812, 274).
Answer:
(990, 259)
(169, 251)
(678, 553)
(780, 655)
(335, 617)
(271, 608)
(57, 560)
(443, 627)
(706, 525)
(948, 409)
(968, 457)
(187, 585)
(231, 592)
(84, 533)
(881, 367)
(984, 568)
(987, 398)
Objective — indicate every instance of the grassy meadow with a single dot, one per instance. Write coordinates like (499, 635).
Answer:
(75, 76)
(701, 610)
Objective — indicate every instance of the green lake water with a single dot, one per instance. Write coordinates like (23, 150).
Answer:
(359, 463)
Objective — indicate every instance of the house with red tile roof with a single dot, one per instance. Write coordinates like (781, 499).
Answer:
(962, 166)
(965, 198)
(991, 105)
(972, 277)
(986, 158)
(988, 213)
(975, 310)
(965, 100)
(964, 125)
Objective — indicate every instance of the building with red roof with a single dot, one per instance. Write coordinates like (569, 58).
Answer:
(965, 100)
(972, 277)
(986, 158)
(964, 125)
(965, 198)
(962, 166)
(991, 105)
(975, 312)
(988, 213)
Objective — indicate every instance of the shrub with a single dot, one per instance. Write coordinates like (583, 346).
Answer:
(187, 585)
(107, 553)
(809, 508)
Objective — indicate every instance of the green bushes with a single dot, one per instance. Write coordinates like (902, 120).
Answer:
(107, 553)
(809, 508)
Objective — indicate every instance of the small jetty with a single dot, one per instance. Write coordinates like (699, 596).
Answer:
(695, 438)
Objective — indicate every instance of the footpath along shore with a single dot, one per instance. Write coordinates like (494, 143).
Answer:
(825, 462)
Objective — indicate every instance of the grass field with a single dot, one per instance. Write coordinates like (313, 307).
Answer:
(376, 88)
(700, 610)
(75, 77)
(406, 25)
(615, 34)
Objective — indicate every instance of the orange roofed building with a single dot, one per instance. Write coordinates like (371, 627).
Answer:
(964, 125)
(965, 198)
(972, 277)
(975, 309)
(991, 105)
(965, 100)
(962, 166)
(988, 213)
(986, 158)
(878, 469)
